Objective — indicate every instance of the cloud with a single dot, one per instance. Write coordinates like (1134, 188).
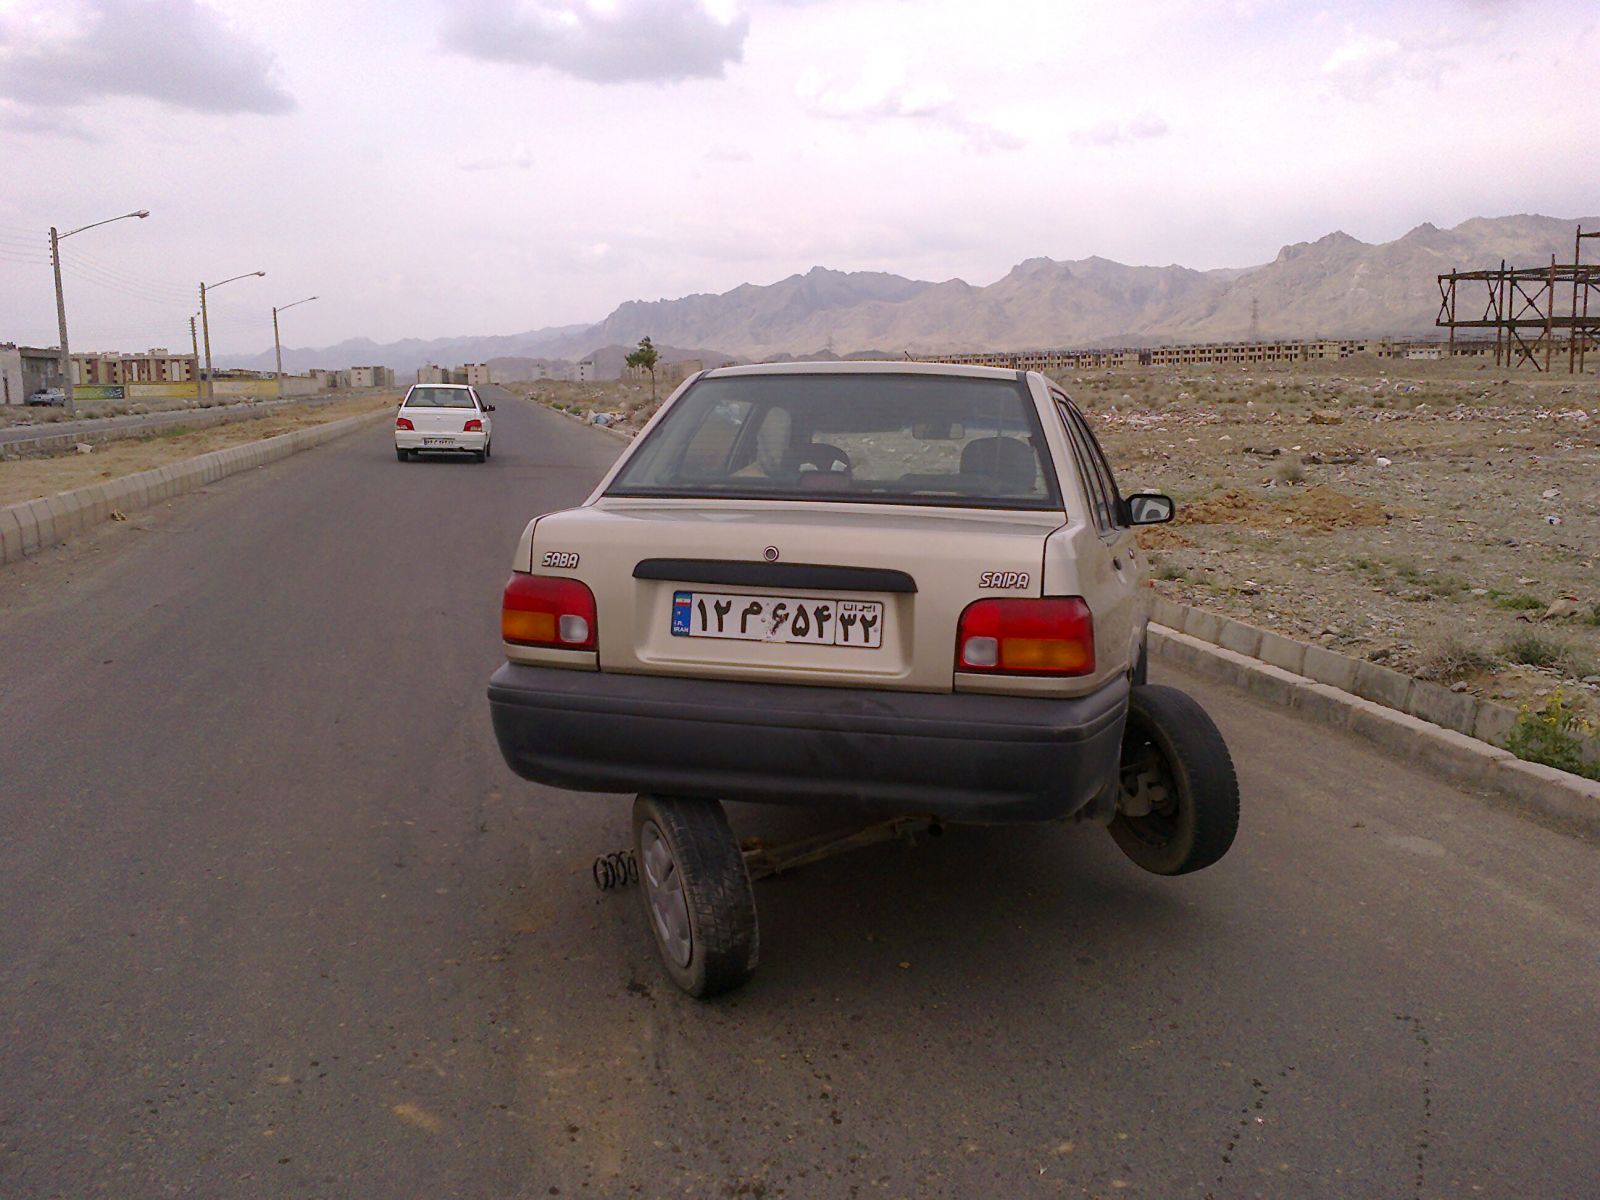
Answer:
(177, 52)
(18, 118)
(518, 158)
(882, 93)
(1366, 65)
(1143, 127)
(603, 41)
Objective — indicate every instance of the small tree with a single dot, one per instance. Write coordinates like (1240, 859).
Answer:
(646, 357)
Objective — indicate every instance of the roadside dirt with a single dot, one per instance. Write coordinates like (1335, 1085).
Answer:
(30, 478)
(1425, 515)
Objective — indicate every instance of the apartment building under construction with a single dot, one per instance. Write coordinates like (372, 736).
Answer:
(1202, 354)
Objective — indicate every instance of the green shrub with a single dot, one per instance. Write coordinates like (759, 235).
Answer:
(1554, 736)
(1520, 602)
(1534, 651)
(1455, 659)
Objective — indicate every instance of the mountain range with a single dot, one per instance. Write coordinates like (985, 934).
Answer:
(1336, 286)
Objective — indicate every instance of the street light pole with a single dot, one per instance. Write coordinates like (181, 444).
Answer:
(205, 326)
(61, 302)
(278, 345)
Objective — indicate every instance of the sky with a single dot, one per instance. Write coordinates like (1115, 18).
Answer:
(439, 168)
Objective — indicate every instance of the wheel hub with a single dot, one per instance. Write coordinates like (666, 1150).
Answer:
(669, 907)
(1146, 787)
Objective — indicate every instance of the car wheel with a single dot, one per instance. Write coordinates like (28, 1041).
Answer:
(401, 455)
(1178, 799)
(488, 449)
(696, 893)
(479, 455)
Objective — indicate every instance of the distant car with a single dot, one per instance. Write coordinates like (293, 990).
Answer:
(447, 418)
(903, 588)
(52, 396)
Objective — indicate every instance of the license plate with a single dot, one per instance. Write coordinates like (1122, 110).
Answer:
(813, 620)
(428, 441)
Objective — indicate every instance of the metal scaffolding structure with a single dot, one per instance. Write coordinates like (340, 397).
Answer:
(1521, 306)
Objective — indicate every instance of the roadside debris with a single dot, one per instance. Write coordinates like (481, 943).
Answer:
(1566, 606)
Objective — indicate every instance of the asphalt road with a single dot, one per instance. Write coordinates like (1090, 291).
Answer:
(279, 923)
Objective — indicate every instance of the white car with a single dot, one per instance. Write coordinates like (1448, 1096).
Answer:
(450, 418)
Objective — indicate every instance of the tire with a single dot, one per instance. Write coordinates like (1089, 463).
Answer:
(401, 455)
(479, 455)
(696, 893)
(1141, 669)
(488, 449)
(1174, 758)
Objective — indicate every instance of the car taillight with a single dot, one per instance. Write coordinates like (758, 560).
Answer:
(402, 423)
(473, 426)
(1051, 636)
(548, 610)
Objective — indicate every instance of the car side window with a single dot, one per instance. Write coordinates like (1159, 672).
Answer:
(1103, 467)
(1100, 464)
(1101, 508)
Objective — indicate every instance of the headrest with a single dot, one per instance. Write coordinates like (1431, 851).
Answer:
(1007, 459)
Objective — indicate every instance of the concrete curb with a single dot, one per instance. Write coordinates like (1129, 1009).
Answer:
(48, 442)
(35, 525)
(1480, 719)
(1458, 757)
(620, 434)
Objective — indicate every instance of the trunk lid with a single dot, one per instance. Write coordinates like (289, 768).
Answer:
(694, 587)
(438, 420)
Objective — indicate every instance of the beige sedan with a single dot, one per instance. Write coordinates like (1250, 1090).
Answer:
(880, 588)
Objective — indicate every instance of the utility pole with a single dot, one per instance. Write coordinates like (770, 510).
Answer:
(61, 302)
(194, 340)
(205, 326)
(277, 344)
(61, 321)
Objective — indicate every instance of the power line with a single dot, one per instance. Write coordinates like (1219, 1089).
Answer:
(118, 275)
(154, 291)
(165, 301)
(14, 256)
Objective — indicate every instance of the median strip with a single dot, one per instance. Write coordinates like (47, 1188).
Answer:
(38, 524)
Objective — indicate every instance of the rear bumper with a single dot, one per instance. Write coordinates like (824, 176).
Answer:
(408, 439)
(957, 756)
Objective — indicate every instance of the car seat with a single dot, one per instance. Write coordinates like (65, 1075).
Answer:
(1006, 460)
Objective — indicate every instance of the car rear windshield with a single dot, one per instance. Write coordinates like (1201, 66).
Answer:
(439, 397)
(884, 438)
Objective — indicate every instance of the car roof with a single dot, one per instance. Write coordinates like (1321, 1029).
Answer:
(875, 367)
(462, 386)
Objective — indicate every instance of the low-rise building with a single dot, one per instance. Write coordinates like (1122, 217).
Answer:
(371, 377)
(41, 368)
(156, 365)
(476, 374)
(432, 374)
(11, 375)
